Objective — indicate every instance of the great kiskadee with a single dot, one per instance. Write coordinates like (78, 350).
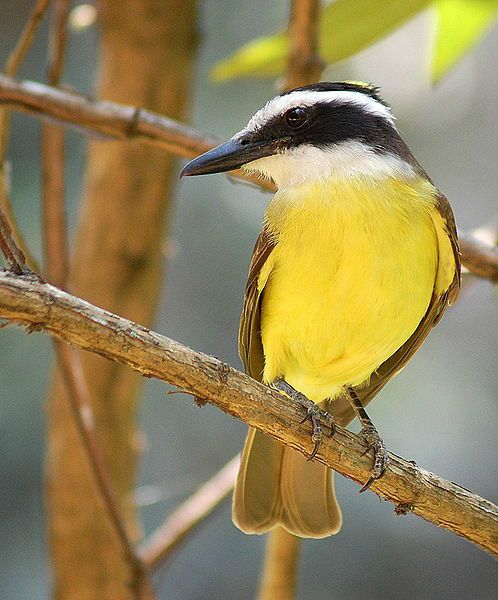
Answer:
(356, 262)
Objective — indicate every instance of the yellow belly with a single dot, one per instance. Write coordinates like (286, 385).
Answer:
(348, 282)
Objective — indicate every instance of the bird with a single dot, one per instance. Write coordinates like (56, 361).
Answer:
(356, 262)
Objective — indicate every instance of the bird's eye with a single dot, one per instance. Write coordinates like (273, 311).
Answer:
(295, 117)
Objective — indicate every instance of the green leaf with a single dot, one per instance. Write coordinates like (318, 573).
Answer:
(347, 26)
(460, 25)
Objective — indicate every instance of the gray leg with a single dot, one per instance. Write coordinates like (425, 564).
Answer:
(372, 438)
(313, 412)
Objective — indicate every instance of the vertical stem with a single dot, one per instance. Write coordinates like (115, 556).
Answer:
(12, 65)
(281, 566)
(53, 159)
(304, 65)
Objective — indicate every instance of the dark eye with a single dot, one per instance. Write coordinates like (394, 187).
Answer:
(295, 117)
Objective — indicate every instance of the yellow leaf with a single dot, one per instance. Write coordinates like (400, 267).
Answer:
(347, 26)
(460, 25)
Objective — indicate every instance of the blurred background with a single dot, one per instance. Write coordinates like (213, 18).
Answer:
(442, 411)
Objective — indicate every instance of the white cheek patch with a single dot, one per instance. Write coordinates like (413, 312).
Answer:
(281, 104)
(345, 161)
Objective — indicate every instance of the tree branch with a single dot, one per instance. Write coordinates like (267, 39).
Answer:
(12, 65)
(39, 305)
(189, 515)
(111, 120)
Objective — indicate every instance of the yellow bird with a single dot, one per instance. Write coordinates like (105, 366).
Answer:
(357, 260)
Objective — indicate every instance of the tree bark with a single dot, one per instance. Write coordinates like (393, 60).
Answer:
(147, 49)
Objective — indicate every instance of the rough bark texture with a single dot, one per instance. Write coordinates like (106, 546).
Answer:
(25, 300)
(147, 48)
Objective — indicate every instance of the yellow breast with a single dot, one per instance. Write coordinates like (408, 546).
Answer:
(349, 280)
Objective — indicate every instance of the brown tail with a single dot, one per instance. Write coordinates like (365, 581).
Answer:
(277, 486)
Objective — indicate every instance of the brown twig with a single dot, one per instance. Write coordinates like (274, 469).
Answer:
(16, 58)
(12, 65)
(26, 38)
(304, 65)
(13, 254)
(189, 515)
(53, 159)
(79, 401)
(110, 120)
(41, 306)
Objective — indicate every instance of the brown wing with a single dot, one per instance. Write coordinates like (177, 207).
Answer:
(341, 408)
(250, 344)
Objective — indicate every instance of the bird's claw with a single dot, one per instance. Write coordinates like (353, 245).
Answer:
(381, 459)
(314, 413)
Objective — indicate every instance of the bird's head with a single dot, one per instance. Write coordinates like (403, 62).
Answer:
(314, 132)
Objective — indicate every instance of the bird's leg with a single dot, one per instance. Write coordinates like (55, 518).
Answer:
(313, 412)
(372, 438)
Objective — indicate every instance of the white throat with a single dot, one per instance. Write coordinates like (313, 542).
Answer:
(345, 161)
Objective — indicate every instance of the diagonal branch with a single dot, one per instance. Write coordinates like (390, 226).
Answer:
(39, 305)
(189, 515)
(111, 120)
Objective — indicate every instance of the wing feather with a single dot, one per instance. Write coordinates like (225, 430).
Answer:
(250, 344)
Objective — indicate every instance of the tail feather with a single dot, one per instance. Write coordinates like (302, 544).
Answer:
(276, 486)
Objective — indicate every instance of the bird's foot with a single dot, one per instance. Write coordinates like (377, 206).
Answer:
(381, 459)
(314, 413)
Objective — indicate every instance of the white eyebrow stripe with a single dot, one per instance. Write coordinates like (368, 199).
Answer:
(281, 104)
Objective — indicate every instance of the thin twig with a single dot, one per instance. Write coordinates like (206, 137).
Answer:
(12, 65)
(16, 58)
(189, 515)
(304, 65)
(53, 159)
(13, 254)
(79, 401)
(26, 38)
(42, 306)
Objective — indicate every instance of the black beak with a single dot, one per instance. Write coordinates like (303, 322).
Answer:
(230, 155)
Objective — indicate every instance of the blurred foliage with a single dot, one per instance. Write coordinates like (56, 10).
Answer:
(348, 26)
(460, 26)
